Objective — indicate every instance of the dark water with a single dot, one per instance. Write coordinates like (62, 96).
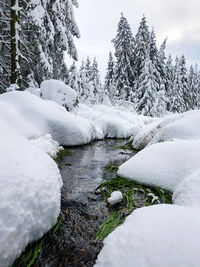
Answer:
(82, 211)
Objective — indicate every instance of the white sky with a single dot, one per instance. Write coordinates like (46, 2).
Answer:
(179, 20)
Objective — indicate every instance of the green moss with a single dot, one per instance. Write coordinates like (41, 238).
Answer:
(30, 255)
(111, 167)
(130, 191)
(61, 154)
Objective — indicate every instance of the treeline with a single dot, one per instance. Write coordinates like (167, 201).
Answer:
(33, 38)
(140, 72)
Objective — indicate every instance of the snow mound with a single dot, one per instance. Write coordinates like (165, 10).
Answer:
(178, 126)
(34, 117)
(163, 165)
(30, 185)
(187, 193)
(59, 92)
(161, 235)
(112, 122)
(116, 197)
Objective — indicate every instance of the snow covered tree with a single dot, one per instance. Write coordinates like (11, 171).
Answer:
(74, 78)
(110, 78)
(169, 81)
(147, 90)
(40, 33)
(15, 44)
(177, 100)
(124, 75)
(142, 44)
(5, 45)
(194, 89)
(98, 93)
(184, 81)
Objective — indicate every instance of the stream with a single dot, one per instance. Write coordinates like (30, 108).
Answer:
(82, 211)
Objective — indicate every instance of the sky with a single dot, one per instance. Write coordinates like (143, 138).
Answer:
(178, 20)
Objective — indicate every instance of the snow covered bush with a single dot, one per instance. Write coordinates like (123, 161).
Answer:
(59, 92)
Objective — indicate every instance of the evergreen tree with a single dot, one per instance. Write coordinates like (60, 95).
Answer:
(110, 78)
(147, 90)
(5, 45)
(177, 104)
(142, 40)
(169, 81)
(184, 82)
(124, 75)
(74, 79)
(193, 84)
(96, 83)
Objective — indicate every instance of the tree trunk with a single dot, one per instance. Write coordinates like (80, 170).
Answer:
(15, 45)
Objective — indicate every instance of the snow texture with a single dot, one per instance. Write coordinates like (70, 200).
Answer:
(30, 185)
(33, 117)
(116, 197)
(160, 235)
(164, 165)
(59, 92)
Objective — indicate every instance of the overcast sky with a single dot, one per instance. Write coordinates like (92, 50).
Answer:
(179, 20)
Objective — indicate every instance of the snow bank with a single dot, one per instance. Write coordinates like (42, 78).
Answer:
(59, 92)
(33, 117)
(179, 126)
(112, 122)
(161, 235)
(30, 185)
(163, 165)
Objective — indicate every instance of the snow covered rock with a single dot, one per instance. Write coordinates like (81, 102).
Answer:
(160, 235)
(116, 197)
(163, 165)
(59, 92)
(30, 185)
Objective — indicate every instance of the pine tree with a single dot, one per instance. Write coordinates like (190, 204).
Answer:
(74, 78)
(184, 81)
(124, 75)
(169, 81)
(96, 83)
(177, 104)
(193, 84)
(5, 45)
(147, 90)
(109, 85)
(142, 43)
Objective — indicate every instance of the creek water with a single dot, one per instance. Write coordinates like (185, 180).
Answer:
(82, 211)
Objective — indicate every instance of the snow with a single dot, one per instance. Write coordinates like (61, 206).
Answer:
(179, 126)
(163, 165)
(30, 185)
(187, 193)
(33, 117)
(59, 92)
(47, 144)
(116, 197)
(160, 235)
(112, 122)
